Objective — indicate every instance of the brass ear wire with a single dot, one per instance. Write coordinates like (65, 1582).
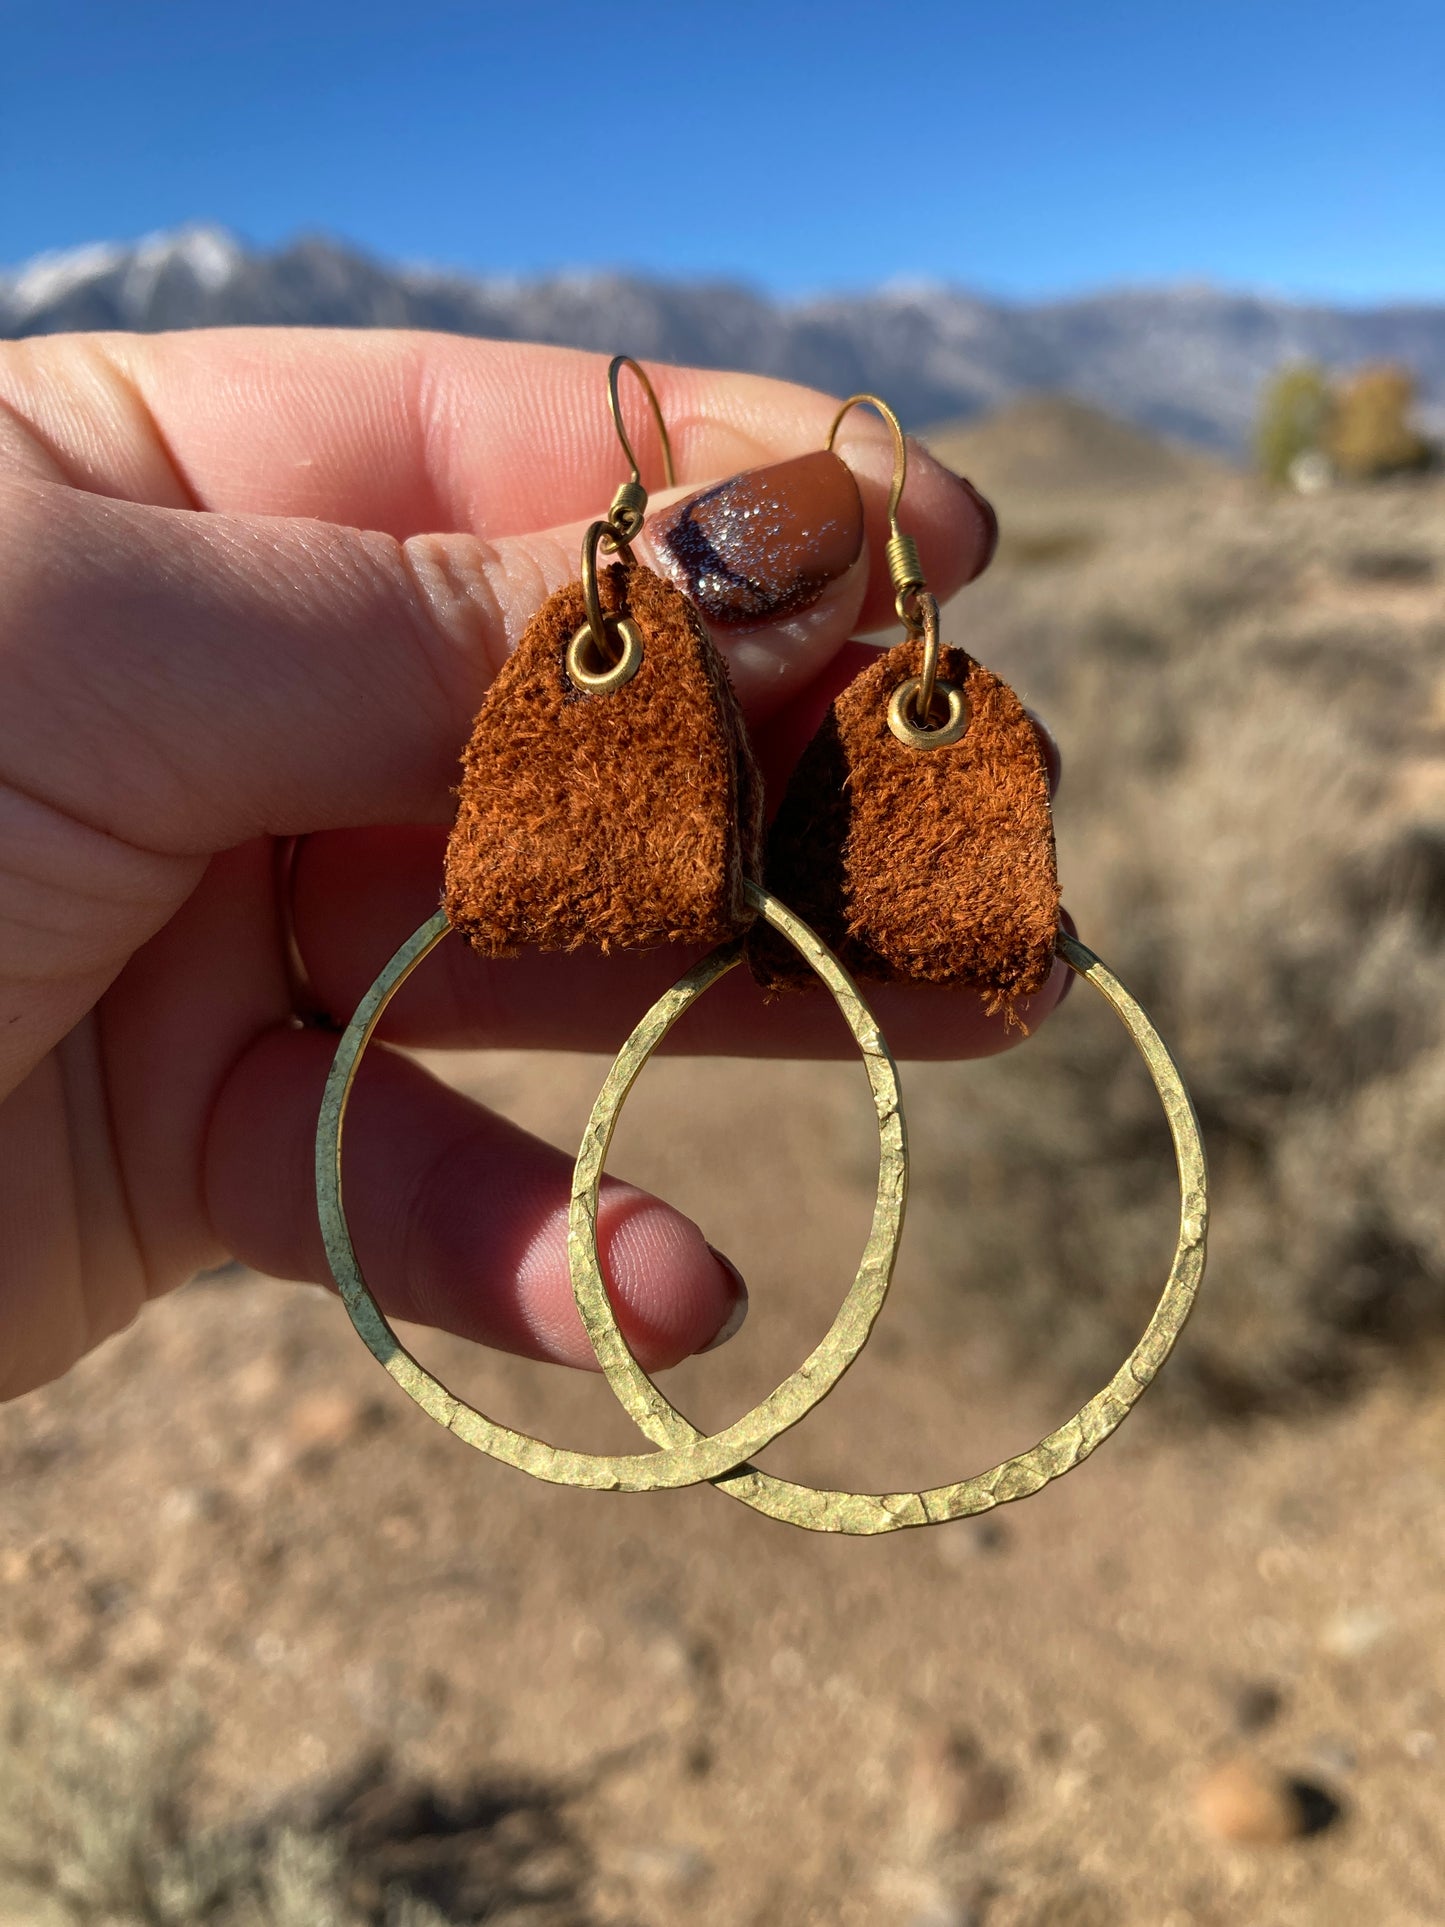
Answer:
(911, 707)
(631, 499)
(590, 662)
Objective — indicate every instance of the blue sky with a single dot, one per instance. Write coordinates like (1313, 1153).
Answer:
(1025, 148)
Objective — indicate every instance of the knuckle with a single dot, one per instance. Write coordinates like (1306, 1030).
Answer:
(453, 582)
(475, 597)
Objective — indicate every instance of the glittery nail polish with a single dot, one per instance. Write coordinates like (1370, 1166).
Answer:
(765, 543)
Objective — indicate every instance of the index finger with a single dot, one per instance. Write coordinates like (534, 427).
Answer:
(409, 433)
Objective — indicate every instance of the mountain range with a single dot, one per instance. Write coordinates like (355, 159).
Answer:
(1185, 362)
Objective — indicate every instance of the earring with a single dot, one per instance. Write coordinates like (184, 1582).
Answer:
(608, 796)
(612, 724)
(916, 837)
(915, 834)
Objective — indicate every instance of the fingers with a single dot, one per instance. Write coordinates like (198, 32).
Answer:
(752, 550)
(409, 432)
(359, 894)
(774, 561)
(183, 682)
(459, 1219)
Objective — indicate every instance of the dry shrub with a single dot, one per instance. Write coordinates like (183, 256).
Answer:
(1295, 411)
(1252, 832)
(96, 1831)
(1372, 433)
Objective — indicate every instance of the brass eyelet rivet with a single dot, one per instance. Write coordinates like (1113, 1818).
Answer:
(583, 653)
(914, 735)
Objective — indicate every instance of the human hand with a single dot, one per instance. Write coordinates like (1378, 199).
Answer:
(201, 651)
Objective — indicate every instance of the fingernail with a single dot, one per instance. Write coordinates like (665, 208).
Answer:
(1048, 749)
(739, 1311)
(988, 518)
(765, 543)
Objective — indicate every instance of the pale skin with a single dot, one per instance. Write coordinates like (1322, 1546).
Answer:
(226, 616)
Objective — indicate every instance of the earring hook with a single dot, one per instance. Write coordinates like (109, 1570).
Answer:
(904, 566)
(917, 609)
(900, 447)
(614, 402)
(590, 661)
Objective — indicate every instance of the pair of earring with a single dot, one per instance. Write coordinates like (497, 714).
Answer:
(609, 796)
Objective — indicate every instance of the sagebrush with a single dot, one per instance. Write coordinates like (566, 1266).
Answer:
(1250, 695)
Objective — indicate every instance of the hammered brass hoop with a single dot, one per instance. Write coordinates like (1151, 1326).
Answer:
(865, 1513)
(693, 1458)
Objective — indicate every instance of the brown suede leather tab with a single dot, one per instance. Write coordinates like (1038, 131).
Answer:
(932, 865)
(623, 819)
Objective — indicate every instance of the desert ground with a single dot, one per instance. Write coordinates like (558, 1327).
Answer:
(276, 1650)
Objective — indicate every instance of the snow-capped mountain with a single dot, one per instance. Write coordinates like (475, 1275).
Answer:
(1182, 361)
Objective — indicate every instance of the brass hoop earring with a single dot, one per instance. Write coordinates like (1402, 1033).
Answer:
(914, 722)
(687, 1460)
(866, 1514)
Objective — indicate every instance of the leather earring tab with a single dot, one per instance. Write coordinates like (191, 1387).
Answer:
(623, 818)
(920, 865)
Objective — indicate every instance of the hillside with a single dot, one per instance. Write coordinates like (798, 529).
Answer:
(1050, 444)
(1185, 362)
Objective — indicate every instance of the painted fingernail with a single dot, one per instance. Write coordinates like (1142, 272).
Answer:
(739, 1310)
(765, 543)
(988, 519)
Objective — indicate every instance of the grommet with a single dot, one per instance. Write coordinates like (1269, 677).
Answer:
(915, 735)
(583, 656)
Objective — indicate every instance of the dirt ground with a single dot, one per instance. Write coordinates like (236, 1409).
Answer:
(540, 1707)
(1001, 1721)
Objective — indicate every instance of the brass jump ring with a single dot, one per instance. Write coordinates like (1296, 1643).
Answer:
(867, 1513)
(910, 707)
(598, 621)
